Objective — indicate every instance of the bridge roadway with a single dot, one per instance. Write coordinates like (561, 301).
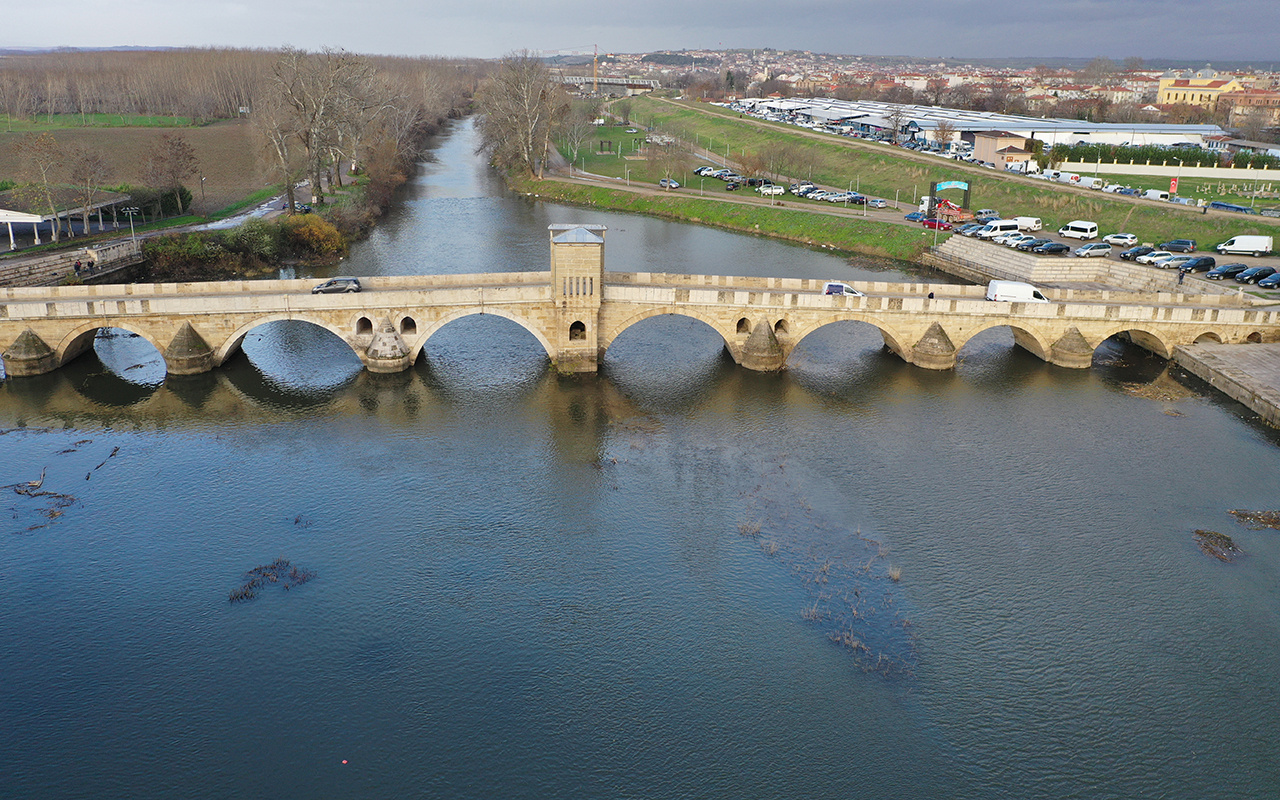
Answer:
(197, 326)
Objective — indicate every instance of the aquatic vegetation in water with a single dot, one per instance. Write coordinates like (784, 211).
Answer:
(1256, 520)
(279, 572)
(1218, 545)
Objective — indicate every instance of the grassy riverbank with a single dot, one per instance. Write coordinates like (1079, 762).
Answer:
(841, 234)
(884, 171)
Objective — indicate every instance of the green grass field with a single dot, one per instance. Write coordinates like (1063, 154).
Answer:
(839, 233)
(884, 171)
(54, 122)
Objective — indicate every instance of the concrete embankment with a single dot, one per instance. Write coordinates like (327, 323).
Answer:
(1247, 373)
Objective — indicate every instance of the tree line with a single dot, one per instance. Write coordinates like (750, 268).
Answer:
(316, 115)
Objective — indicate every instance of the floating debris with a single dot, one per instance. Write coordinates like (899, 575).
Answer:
(279, 572)
(1165, 390)
(1218, 545)
(114, 450)
(55, 503)
(1256, 520)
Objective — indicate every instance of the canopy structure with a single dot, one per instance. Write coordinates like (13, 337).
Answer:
(31, 206)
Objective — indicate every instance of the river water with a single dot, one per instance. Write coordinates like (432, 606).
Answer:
(676, 579)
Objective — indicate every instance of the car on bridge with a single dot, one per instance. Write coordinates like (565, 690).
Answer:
(341, 285)
(836, 287)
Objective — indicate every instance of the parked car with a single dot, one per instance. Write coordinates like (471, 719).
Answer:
(1173, 261)
(915, 216)
(668, 183)
(337, 286)
(969, 228)
(704, 170)
(1272, 281)
(1133, 252)
(1255, 274)
(1180, 245)
(1121, 239)
(1153, 256)
(1199, 264)
(770, 189)
(1028, 245)
(1270, 212)
(878, 203)
(1093, 250)
(1053, 249)
(1017, 239)
(730, 186)
(1223, 271)
(936, 224)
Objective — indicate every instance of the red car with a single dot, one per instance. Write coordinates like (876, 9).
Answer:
(937, 224)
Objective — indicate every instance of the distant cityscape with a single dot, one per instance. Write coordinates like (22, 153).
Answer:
(1242, 99)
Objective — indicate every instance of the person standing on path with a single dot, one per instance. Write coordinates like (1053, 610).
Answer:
(1182, 273)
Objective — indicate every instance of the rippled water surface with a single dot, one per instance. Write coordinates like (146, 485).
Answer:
(675, 579)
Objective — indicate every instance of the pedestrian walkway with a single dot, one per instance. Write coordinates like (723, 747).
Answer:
(1247, 373)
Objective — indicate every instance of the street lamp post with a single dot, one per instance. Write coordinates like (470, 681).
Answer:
(627, 173)
(201, 188)
(130, 212)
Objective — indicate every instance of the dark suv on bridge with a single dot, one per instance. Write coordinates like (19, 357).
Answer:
(337, 286)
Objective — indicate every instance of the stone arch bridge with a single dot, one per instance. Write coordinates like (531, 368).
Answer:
(577, 310)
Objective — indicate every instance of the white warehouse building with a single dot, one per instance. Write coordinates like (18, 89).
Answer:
(920, 122)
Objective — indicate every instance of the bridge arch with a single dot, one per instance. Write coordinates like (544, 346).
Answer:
(608, 337)
(228, 347)
(80, 339)
(1034, 341)
(420, 341)
(1144, 338)
(896, 340)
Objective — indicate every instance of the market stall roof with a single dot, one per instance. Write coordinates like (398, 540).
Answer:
(28, 204)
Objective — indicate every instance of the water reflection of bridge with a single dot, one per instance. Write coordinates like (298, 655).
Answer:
(577, 310)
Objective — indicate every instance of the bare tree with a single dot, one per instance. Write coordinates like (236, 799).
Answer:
(519, 104)
(943, 132)
(42, 158)
(172, 162)
(89, 171)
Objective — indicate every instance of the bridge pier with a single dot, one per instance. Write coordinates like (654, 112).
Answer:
(934, 350)
(577, 284)
(188, 353)
(29, 355)
(762, 352)
(1072, 350)
(387, 352)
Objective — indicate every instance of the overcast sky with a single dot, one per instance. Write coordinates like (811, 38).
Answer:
(1238, 30)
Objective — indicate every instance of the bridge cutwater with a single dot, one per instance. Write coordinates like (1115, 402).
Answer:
(577, 309)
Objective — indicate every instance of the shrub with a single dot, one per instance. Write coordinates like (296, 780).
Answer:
(309, 233)
(254, 238)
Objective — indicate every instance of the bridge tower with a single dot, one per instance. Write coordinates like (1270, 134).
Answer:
(577, 282)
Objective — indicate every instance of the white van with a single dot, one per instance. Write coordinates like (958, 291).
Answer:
(836, 287)
(1079, 229)
(1028, 223)
(997, 228)
(1067, 177)
(1014, 292)
(1257, 245)
(1092, 183)
(1155, 194)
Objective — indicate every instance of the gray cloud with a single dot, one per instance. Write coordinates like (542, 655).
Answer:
(1183, 29)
